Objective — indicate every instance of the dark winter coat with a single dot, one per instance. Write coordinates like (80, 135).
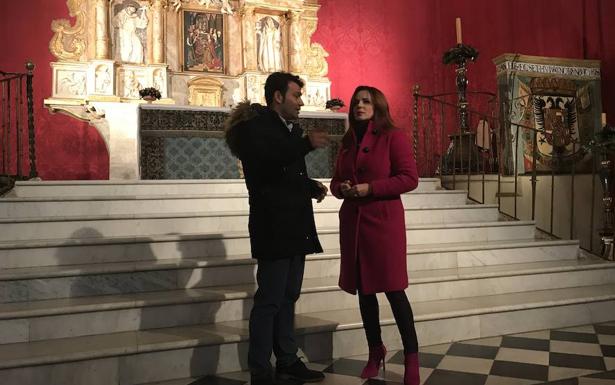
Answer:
(281, 222)
(372, 229)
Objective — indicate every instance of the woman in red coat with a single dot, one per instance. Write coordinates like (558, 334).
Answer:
(374, 166)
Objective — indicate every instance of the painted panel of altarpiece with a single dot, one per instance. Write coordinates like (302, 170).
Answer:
(202, 41)
(561, 100)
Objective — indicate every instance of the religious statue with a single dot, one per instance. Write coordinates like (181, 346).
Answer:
(103, 79)
(132, 85)
(269, 45)
(130, 23)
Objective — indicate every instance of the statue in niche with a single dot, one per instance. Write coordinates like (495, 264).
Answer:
(268, 37)
(103, 79)
(132, 85)
(130, 25)
(159, 82)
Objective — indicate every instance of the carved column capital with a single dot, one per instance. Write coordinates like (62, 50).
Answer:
(247, 11)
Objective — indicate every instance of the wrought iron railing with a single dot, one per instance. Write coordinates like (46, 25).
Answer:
(17, 140)
(488, 165)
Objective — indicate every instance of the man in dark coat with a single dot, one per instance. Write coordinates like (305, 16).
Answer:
(282, 229)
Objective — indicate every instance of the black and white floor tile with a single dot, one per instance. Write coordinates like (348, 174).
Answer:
(582, 355)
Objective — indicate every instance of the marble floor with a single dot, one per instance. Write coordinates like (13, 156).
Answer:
(582, 355)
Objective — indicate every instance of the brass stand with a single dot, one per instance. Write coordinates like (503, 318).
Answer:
(463, 154)
(607, 236)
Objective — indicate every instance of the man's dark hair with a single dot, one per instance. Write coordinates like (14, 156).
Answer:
(278, 81)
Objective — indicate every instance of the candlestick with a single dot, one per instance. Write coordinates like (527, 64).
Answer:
(458, 30)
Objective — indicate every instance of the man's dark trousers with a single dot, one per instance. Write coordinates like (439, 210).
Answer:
(272, 319)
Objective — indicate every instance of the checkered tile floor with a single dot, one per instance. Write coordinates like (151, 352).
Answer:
(582, 355)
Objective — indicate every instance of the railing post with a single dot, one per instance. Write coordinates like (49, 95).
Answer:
(534, 178)
(30, 106)
(415, 120)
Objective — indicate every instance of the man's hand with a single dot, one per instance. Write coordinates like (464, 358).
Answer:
(318, 138)
(323, 192)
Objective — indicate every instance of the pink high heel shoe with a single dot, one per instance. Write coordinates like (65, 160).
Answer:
(376, 355)
(411, 369)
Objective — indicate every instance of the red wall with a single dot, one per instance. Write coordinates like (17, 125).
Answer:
(390, 44)
(65, 147)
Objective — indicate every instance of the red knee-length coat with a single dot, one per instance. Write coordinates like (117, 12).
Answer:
(373, 229)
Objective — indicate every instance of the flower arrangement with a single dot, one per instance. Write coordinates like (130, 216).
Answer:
(459, 53)
(334, 104)
(149, 93)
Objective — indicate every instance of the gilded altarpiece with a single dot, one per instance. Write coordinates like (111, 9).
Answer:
(211, 53)
(114, 48)
(560, 99)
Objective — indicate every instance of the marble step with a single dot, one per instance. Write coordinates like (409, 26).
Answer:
(88, 247)
(62, 318)
(420, 257)
(195, 222)
(39, 283)
(150, 187)
(63, 206)
(138, 357)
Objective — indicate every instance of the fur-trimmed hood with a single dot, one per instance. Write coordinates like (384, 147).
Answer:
(243, 112)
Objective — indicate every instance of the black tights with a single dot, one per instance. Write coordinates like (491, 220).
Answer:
(368, 303)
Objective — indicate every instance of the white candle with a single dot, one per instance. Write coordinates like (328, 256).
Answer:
(458, 29)
(603, 119)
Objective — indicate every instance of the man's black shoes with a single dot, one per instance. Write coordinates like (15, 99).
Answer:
(270, 380)
(299, 372)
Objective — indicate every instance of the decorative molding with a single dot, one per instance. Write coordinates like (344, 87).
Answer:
(314, 62)
(203, 91)
(577, 72)
(223, 6)
(68, 42)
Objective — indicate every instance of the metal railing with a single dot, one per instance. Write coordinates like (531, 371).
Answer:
(476, 161)
(17, 139)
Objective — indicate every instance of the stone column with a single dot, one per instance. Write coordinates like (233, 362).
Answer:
(295, 46)
(158, 32)
(248, 38)
(102, 29)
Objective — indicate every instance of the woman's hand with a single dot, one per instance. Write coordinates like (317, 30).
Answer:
(345, 188)
(361, 190)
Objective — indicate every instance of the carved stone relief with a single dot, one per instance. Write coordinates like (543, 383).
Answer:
(72, 83)
(103, 80)
(223, 5)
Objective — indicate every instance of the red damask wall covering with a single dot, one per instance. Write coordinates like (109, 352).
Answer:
(391, 44)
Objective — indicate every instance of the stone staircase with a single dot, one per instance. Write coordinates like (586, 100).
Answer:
(146, 281)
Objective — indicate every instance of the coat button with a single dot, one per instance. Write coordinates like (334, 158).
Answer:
(366, 149)
(301, 173)
(360, 170)
(375, 132)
